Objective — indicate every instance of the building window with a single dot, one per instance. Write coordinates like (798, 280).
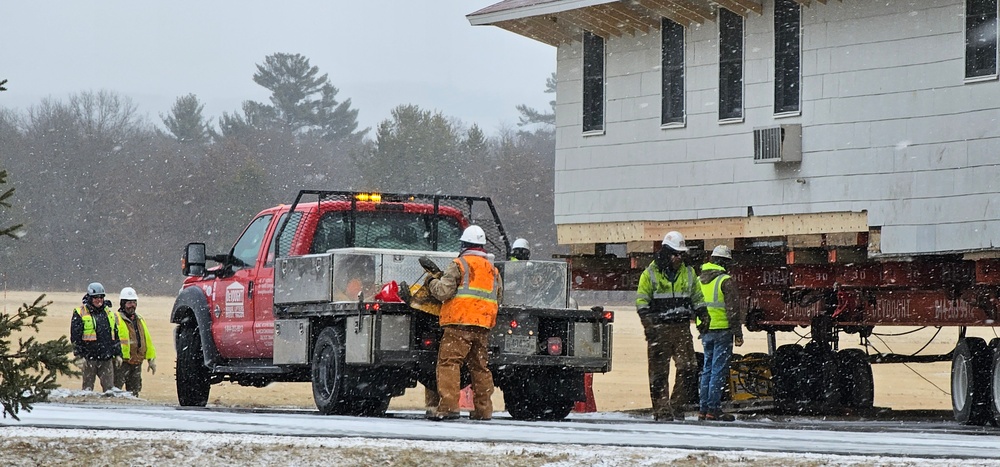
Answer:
(980, 38)
(730, 65)
(593, 82)
(672, 70)
(787, 56)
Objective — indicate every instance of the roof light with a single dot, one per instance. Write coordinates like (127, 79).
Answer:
(373, 197)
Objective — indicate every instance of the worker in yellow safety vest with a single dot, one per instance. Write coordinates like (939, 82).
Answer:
(137, 346)
(94, 334)
(470, 290)
(719, 331)
(666, 300)
(519, 250)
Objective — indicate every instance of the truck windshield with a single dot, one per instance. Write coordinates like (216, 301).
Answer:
(388, 230)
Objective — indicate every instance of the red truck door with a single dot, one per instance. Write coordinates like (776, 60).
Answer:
(235, 296)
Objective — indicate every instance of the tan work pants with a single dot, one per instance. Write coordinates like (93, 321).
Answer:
(98, 369)
(663, 342)
(468, 345)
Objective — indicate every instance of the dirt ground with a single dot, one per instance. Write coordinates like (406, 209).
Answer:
(898, 386)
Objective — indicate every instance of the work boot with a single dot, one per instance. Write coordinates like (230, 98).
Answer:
(443, 416)
(702, 416)
(720, 417)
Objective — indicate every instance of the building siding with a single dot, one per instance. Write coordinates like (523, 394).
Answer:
(889, 127)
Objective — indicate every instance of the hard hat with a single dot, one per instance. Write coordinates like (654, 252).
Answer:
(675, 241)
(474, 234)
(95, 289)
(520, 243)
(722, 251)
(128, 293)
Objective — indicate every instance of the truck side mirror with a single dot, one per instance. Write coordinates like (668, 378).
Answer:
(194, 260)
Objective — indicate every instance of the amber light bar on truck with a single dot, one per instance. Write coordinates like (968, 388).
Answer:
(372, 197)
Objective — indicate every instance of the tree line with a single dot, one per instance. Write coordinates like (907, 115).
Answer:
(103, 194)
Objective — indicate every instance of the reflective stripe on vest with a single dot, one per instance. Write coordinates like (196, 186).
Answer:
(89, 329)
(717, 304)
(475, 301)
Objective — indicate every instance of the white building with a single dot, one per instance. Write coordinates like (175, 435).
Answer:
(670, 115)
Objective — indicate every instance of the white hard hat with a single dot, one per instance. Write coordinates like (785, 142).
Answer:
(474, 234)
(722, 251)
(128, 293)
(675, 241)
(520, 243)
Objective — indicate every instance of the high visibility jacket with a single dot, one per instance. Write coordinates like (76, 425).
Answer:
(476, 299)
(91, 339)
(714, 298)
(134, 335)
(669, 300)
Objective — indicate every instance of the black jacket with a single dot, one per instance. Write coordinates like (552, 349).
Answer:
(107, 345)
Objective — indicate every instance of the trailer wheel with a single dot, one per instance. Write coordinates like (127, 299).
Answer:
(328, 371)
(785, 372)
(995, 386)
(525, 405)
(970, 381)
(369, 407)
(857, 386)
(193, 383)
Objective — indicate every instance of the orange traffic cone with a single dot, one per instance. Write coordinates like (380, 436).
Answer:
(588, 387)
(465, 398)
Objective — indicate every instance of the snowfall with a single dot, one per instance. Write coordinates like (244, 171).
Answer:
(76, 430)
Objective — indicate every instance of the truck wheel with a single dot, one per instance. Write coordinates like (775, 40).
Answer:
(857, 386)
(995, 386)
(526, 405)
(970, 379)
(785, 369)
(193, 384)
(328, 371)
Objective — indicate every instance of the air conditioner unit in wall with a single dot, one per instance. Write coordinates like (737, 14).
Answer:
(779, 143)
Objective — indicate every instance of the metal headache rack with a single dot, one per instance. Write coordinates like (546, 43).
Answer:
(349, 219)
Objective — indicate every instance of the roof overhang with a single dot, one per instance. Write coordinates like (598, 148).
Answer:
(561, 21)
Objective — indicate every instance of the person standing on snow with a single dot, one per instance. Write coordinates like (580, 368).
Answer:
(470, 291)
(666, 300)
(136, 343)
(718, 332)
(94, 334)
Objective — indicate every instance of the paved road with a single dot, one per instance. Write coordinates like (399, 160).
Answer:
(931, 439)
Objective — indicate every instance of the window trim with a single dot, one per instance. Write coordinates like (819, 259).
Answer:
(740, 63)
(587, 40)
(784, 112)
(673, 121)
(996, 46)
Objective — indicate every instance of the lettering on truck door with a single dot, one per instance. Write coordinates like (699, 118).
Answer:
(263, 300)
(233, 312)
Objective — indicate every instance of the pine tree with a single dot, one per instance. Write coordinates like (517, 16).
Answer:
(29, 374)
(186, 121)
(530, 116)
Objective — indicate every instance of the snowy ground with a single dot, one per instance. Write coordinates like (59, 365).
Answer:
(129, 431)
(20, 446)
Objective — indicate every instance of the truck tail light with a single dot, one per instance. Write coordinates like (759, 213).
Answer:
(513, 324)
(554, 346)
(608, 316)
(427, 342)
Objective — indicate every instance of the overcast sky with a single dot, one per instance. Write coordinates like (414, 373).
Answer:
(378, 53)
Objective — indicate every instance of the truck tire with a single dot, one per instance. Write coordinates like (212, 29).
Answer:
(970, 381)
(785, 372)
(193, 383)
(525, 405)
(995, 382)
(328, 372)
(857, 386)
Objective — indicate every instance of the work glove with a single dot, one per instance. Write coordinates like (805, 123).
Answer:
(152, 365)
(704, 320)
(738, 340)
(404, 292)
(432, 269)
(118, 362)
